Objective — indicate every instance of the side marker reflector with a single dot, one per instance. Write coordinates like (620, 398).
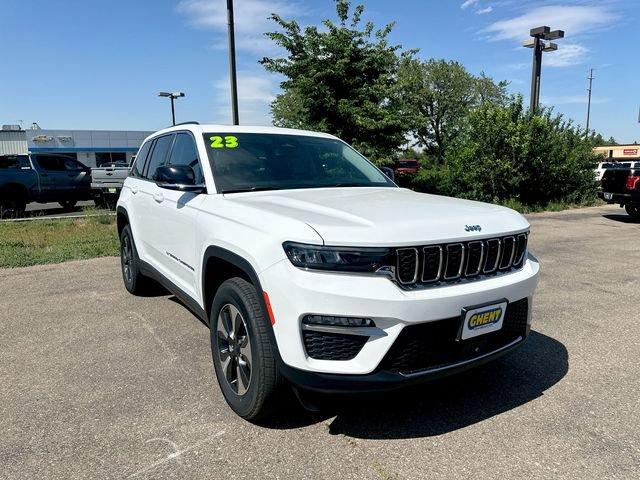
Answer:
(269, 310)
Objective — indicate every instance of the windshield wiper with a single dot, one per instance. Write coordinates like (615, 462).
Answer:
(248, 189)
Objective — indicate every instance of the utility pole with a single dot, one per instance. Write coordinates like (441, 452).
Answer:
(590, 78)
(232, 64)
(538, 44)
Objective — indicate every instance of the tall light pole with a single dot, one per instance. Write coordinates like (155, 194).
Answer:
(172, 96)
(232, 64)
(590, 78)
(538, 44)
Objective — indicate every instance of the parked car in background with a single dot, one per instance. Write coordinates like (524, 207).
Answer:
(407, 166)
(106, 183)
(312, 268)
(41, 178)
(622, 186)
(603, 166)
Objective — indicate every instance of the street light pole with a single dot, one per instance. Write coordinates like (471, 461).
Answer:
(232, 64)
(538, 45)
(590, 78)
(535, 75)
(172, 96)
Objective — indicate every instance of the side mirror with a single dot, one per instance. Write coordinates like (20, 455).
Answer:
(389, 173)
(177, 177)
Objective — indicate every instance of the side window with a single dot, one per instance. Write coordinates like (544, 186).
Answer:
(185, 152)
(138, 165)
(9, 162)
(70, 164)
(158, 156)
(51, 163)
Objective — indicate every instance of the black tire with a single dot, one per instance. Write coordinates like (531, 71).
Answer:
(134, 281)
(12, 208)
(68, 205)
(633, 211)
(13, 201)
(253, 396)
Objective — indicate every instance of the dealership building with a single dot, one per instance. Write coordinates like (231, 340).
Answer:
(620, 153)
(93, 148)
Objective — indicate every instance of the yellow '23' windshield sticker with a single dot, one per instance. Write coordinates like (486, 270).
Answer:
(228, 141)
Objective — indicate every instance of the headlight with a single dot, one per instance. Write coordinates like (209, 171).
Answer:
(343, 259)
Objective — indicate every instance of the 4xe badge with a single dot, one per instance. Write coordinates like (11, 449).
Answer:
(472, 228)
(481, 320)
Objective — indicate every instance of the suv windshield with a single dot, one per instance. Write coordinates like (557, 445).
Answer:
(258, 161)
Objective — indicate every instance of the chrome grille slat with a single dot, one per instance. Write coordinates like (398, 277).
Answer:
(476, 269)
(432, 265)
(508, 252)
(407, 257)
(494, 266)
(457, 269)
(427, 275)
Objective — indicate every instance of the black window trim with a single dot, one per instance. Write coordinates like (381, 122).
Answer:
(195, 144)
(151, 143)
(150, 154)
(169, 152)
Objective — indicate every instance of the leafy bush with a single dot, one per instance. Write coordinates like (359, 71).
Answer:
(505, 152)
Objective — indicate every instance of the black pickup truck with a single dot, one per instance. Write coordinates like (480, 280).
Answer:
(622, 186)
(41, 178)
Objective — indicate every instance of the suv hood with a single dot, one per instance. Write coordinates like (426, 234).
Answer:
(364, 216)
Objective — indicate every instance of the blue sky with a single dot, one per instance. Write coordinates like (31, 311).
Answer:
(99, 65)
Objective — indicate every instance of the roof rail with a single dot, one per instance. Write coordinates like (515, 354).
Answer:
(187, 123)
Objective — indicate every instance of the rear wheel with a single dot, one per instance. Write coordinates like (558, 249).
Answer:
(633, 211)
(242, 356)
(134, 281)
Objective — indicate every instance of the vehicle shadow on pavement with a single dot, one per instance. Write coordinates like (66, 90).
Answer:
(621, 218)
(444, 405)
(459, 401)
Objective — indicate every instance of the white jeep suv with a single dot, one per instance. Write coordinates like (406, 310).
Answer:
(313, 268)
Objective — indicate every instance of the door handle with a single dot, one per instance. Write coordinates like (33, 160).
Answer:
(158, 197)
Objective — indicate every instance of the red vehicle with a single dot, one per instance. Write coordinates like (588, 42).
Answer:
(407, 166)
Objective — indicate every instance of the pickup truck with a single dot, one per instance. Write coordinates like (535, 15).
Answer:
(622, 186)
(41, 178)
(106, 183)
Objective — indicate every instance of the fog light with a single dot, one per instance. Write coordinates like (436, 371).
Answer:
(337, 321)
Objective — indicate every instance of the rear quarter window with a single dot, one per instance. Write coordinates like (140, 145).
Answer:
(141, 157)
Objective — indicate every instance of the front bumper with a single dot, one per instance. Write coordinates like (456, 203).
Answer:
(295, 293)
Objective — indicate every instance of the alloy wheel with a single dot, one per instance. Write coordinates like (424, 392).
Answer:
(234, 348)
(127, 257)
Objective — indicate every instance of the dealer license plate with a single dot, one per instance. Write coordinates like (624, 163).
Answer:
(112, 190)
(480, 320)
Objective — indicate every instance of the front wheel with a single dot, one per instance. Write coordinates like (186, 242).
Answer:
(68, 205)
(12, 208)
(242, 357)
(633, 211)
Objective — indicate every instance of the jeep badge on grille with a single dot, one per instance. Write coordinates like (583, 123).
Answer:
(472, 228)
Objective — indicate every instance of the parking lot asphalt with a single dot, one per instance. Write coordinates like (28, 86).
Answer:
(97, 383)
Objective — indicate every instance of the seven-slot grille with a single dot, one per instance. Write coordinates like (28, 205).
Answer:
(454, 261)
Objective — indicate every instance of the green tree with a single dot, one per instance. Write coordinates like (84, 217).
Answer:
(438, 95)
(341, 79)
(505, 152)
